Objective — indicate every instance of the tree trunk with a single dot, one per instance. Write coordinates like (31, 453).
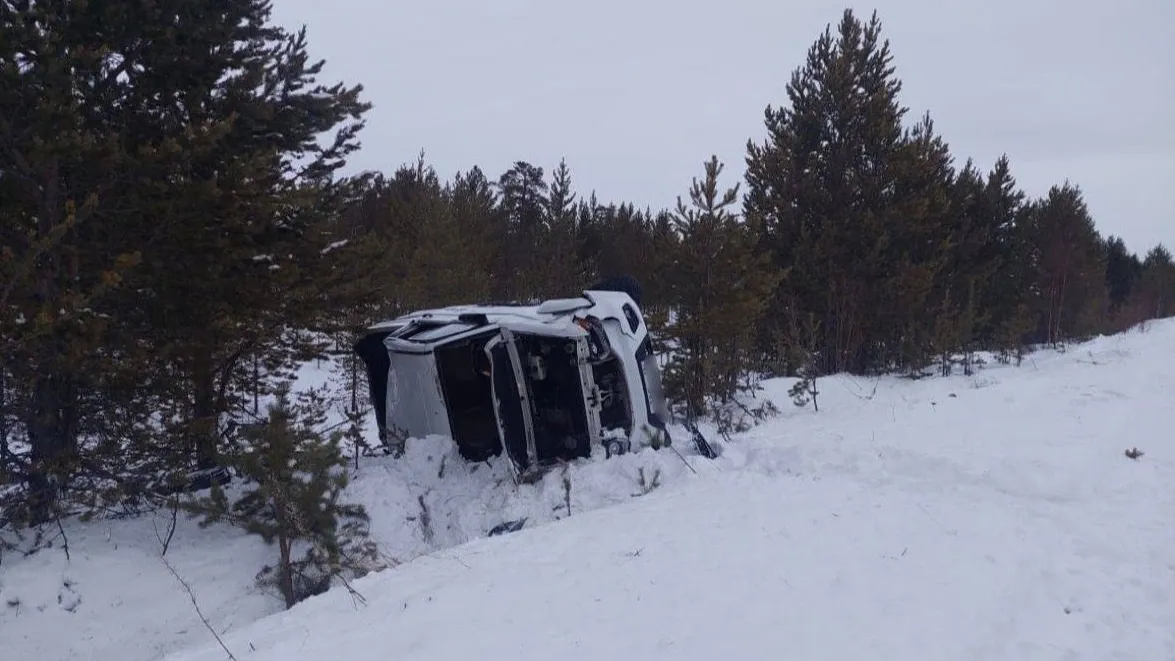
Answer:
(1061, 336)
(5, 452)
(204, 413)
(52, 416)
(256, 384)
(52, 433)
(286, 570)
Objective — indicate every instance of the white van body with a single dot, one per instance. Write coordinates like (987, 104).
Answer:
(544, 383)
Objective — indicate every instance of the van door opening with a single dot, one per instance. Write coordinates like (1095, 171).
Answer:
(464, 372)
(551, 386)
(371, 350)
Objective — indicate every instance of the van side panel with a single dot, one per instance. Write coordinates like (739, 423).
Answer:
(415, 406)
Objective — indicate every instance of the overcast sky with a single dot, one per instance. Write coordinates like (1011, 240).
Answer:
(636, 94)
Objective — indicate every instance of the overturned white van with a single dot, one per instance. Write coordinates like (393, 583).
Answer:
(543, 383)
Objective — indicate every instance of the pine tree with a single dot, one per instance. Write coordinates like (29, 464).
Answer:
(1071, 271)
(366, 284)
(248, 208)
(1157, 283)
(720, 286)
(823, 197)
(524, 200)
(1123, 272)
(1006, 290)
(804, 355)
(453, 252)
(658, 269)
(67, 181)
(565, 273)
(919, 243)
(169, 182)
(476, 208)
(296, 478)
(970, 265)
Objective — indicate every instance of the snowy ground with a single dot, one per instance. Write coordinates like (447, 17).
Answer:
(984, 517)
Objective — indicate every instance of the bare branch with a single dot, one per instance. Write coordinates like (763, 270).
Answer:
(64, 539)
(683, 460)
(356, 597)
(200, 613)
(165, 542)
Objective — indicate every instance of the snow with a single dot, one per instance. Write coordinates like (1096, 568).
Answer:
(991, 516)
(334, 245)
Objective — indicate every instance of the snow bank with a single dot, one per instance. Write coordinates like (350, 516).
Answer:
(114, 598)
(992, 516)
(751, 567)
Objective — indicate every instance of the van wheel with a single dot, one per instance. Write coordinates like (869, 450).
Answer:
(613, 448)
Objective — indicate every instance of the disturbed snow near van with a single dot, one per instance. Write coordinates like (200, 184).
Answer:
(985, 517)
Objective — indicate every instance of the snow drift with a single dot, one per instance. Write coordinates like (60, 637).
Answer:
(986, 517)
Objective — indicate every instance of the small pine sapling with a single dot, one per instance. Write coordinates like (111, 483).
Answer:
(804, 390)
(736, 417)
(354, 433)
(295, 477)
(806, 358)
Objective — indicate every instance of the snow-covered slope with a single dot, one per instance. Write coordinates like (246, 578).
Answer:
(984, 517)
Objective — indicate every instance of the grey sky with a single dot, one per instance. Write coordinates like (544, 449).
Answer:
(637, 93)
